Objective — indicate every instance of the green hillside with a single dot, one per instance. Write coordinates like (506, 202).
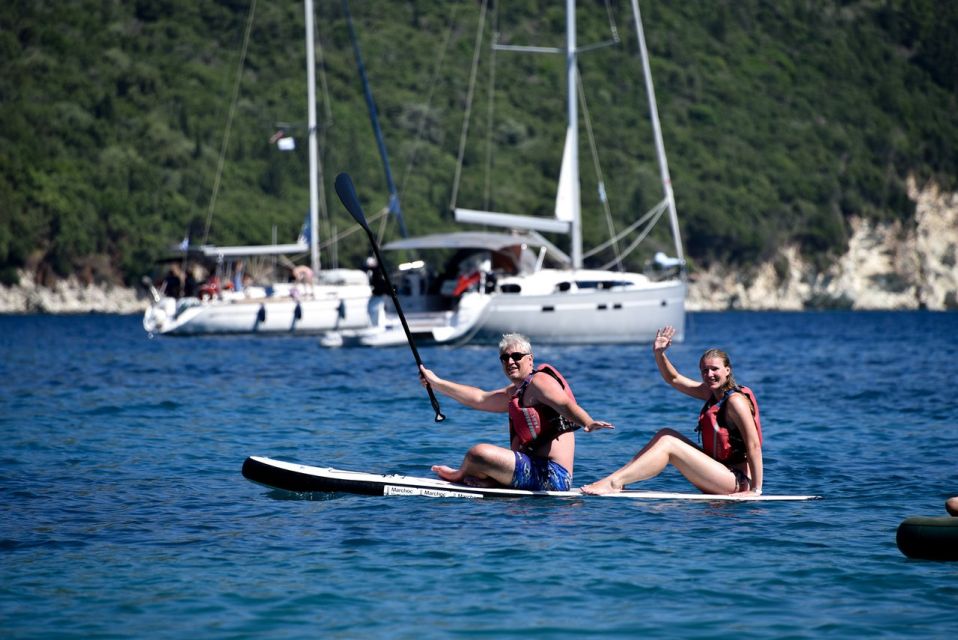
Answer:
(781, 120)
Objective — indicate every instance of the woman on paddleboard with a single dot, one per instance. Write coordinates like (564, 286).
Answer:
(543, 416)
(730, 458)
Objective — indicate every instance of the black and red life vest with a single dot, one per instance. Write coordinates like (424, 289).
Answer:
(720, 440)
(527, 424)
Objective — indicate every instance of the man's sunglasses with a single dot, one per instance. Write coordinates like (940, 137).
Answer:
(515, 355)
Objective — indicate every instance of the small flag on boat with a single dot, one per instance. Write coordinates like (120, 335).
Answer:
(282, 141)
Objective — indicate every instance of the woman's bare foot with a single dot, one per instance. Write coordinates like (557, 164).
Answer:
(602, 487)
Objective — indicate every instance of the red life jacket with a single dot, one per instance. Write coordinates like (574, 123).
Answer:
(719, 441)
(526, 424)
(465, 281)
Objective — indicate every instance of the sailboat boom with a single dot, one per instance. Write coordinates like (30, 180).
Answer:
(512, 221)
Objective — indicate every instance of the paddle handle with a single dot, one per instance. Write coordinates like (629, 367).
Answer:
(347, 194)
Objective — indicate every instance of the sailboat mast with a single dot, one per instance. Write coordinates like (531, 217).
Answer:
(657, 132)
(394, 207)
(572, 136)
(313, 146)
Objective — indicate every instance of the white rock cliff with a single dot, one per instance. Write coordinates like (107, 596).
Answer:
(887, 266)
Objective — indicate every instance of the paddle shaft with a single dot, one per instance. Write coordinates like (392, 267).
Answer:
(347, 193)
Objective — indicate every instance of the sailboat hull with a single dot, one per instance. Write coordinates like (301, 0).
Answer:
(630, 309)
(327, 309)
(593, 317)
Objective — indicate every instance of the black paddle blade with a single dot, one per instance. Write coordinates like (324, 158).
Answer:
(347, 194)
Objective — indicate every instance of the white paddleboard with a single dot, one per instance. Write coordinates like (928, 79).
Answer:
(302, 478)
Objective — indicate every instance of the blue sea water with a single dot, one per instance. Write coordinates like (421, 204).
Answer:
(124, 513)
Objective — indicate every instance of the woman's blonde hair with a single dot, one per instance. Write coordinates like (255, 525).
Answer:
(718, 353)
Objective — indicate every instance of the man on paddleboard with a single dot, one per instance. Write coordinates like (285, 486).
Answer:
(543, 416)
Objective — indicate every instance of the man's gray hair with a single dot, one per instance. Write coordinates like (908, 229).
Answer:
(516, 340)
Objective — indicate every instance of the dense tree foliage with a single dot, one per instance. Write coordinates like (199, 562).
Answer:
(781, 119)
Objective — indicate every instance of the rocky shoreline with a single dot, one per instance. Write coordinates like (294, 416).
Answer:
(70, 296)
(890, 266)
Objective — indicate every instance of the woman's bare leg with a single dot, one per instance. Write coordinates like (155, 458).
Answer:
(669, 447)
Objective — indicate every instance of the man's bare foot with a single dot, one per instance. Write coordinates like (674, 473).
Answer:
(448, 473)
(601, 487)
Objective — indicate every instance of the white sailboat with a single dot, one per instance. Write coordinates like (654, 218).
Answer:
(320, 301)
(518, 281)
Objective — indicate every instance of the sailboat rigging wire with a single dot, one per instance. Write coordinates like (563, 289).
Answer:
(381, 233)
(494, 35)
(336, 237)
(612, 26)
(465, 121)
(654, 211)
(229, 121)
(394, 204)
(324, 217)
(411, 161)
(645, 232)
(598, 170)
(657, 135)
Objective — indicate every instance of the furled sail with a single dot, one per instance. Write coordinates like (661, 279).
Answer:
(567, 195)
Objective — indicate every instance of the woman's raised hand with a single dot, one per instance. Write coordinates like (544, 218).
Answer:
(663, 338)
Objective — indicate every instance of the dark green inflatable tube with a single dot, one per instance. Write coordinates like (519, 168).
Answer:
(929, 538)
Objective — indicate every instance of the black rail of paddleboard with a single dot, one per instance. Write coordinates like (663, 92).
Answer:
(288, 480)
